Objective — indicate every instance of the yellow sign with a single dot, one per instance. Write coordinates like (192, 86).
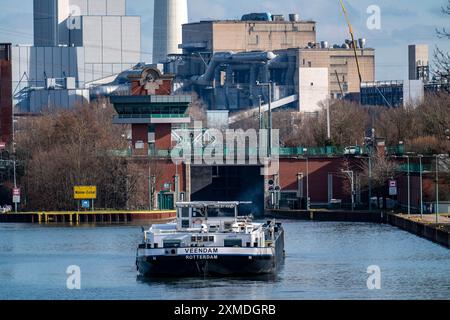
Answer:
(85, 192)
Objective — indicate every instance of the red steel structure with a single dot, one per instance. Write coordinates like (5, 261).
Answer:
(5, 94)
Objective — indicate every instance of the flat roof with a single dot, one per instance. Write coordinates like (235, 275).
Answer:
(152, 99)
(325, 49)
(251, 21)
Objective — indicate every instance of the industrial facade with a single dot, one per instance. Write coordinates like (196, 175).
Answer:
(243, 36)
(83, 40)
(418, 62)
(223, 61)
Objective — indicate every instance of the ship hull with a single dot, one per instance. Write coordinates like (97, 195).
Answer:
(244, 261)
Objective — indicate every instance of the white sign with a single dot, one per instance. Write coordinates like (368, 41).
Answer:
(16, 195)
(392, 191)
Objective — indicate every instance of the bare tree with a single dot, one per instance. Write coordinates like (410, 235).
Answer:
(65, 148)
(441, 69)
(376, 174)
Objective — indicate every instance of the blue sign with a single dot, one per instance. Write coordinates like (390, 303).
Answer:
(86, 204)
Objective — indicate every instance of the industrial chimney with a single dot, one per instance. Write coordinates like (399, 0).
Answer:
(170, 15)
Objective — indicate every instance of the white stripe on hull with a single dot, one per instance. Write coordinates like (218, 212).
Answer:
(206, 251)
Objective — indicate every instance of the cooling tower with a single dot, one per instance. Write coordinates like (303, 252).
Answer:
(170, 15)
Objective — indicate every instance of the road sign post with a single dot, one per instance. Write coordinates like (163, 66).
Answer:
(16, 196)
(85, 193)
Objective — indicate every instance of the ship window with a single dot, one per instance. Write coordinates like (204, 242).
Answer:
(211, 239)
(185, 212)
(249, 244)
(156, 246)
(255, 244)
(205, 239)
(185, 224)
(229, 243)
(172, 243)
(193, 239)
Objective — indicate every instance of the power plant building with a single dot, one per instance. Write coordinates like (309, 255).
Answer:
(244, 35)
(76, 42)
(418, 62)
(223, 61)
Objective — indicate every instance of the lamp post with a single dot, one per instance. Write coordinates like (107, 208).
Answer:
(408, 158)
(421, 184)
(328, 121)
(352, 180)
(409, 186)
(370, 183)
(308, 203)
(369, 160)
(260, 118)
(269, 86)
(437, 189)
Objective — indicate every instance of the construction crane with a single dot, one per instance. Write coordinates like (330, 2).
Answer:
(350, 28)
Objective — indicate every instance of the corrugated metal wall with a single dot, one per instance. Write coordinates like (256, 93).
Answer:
(43, 99)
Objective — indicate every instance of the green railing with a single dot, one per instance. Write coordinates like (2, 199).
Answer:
(293, 152)
(153, 116)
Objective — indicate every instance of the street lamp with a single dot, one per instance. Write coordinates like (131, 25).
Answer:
(308, 203)
(409, 181)
(269, 86)
(409, 186)
(351, 175)
(369, 158)
(437, 187)
(421, 183)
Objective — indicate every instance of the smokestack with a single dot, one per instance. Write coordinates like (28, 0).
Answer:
(169, 17)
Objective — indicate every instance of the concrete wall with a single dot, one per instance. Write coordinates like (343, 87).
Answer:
(110, 39)
(343, 62)
(413, 92)
(313, 88)
(249, 36)
(417, 56)
(51, 26)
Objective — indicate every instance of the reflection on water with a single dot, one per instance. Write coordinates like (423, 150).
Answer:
(323, 261)
(200, 282)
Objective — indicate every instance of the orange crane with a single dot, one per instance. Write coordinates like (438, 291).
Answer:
(353, 39)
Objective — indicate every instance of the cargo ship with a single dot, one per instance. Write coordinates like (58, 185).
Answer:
(211, 239)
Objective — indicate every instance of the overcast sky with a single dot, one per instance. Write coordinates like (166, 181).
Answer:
(403, 22)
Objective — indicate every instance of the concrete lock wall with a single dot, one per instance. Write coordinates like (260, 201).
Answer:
(313, 88)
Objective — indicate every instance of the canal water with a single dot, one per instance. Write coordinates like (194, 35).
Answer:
(325, 260)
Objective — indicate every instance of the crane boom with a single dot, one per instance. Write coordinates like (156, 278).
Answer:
(353, 39)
